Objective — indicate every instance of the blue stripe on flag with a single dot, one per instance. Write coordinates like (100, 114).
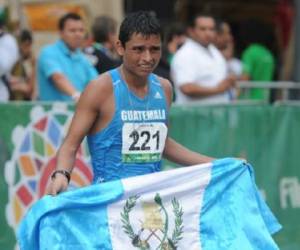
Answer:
(233, 215)
(72, 220)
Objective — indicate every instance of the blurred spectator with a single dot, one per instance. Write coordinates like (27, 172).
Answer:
(102, 53)
(198, 69)
(174, 38)
(22, 79)
(225, 43)
(258, 59)
(224, 35)
(63, 70)
(234, 65)
(9, 55)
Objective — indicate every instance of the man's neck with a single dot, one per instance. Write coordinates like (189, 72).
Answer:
(200, 43)
(72, 50)
(139, 85)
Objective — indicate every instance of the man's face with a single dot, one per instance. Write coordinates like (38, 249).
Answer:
(224, 37)
(73, 33)
(26, 48)
(141, 54)
(204, 30)
(112, 40)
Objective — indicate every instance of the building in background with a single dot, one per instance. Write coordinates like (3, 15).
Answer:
(24, 12)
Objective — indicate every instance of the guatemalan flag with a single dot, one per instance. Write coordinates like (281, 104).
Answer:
(213, 206)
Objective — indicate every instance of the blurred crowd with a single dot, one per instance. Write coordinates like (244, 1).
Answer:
(198, 58)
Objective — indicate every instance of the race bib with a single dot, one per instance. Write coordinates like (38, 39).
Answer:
(143, 142)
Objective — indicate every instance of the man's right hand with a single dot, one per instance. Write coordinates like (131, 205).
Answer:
(57, 185)
(227, 83)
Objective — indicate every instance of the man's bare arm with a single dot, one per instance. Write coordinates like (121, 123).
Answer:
(63, 84)
(87, 111)
(84, 117)
(179, 154)
(195, 90)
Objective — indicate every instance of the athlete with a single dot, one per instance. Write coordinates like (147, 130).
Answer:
(124, 113)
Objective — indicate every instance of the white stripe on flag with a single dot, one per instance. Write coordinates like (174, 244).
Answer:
(146, 222)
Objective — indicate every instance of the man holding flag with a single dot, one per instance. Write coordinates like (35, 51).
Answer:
(212, 206)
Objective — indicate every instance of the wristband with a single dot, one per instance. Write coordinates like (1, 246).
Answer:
(63, 172)
(76, 95)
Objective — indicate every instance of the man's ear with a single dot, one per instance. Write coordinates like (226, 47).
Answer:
(119, 47)
(190, 31)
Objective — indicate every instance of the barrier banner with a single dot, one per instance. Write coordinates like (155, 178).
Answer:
(267, 136)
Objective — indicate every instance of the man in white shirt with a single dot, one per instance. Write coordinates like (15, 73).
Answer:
(9, 55)
(198, 69)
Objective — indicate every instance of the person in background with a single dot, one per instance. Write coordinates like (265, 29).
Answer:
(9, 55)
(225, 43)
(63, 71)
(198, 68)
(102, 53)
(257, 57)
(223, 35)
(22, 79)
(175, 37)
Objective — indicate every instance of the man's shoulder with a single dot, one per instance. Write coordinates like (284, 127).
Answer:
(162, 81)
(187, 47)
(7, 37)
(102, 57)
(92, 50)
(167, 87)
(213, 48)
(8, 41)
(84, 57)
(186, 52)
(100, 89)
(49, 49)
(102, 83)
(53, 45)
(217, 53)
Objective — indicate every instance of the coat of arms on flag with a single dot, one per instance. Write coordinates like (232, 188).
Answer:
(154, 227)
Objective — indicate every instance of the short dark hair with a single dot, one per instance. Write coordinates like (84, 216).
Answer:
(175, 29)
(102, 27)
(25, 36)
(192, 21)
(69, 16)
(140, 22)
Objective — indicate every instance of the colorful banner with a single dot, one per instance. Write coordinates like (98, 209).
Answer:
(29, 138)
(267, 136)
